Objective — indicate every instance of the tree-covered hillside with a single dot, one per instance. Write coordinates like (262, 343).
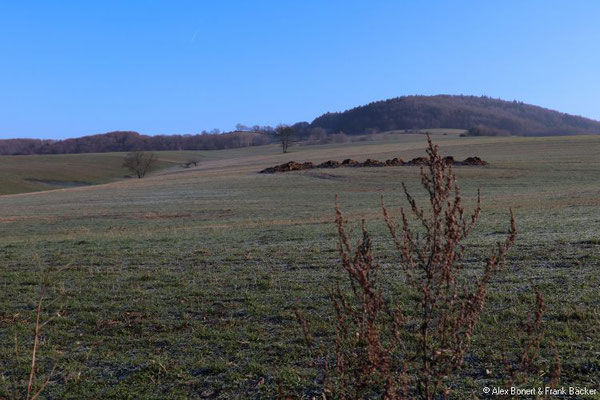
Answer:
(460, 112)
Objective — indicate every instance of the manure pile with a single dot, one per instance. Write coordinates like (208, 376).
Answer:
(394, 162)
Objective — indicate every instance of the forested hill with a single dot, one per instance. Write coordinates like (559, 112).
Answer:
(483, 115)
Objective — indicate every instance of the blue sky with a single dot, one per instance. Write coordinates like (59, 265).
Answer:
(70, 68)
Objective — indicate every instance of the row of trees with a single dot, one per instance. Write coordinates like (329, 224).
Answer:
(125, 141)
(482, 116)
(133, 141)
(128, 141)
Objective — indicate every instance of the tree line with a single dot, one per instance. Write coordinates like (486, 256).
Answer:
(481, 116)
(128, 141)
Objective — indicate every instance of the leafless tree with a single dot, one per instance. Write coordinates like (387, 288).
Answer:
(242, 128)
(285, 133)
(139, 162)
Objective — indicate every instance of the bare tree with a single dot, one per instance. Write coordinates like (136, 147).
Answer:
(139, 162)
(242, 128)
(285, 134)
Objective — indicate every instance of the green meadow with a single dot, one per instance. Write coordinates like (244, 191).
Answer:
(184, 284)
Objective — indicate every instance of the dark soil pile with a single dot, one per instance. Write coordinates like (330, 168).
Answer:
(290, 166)
(294, 166)
(473, 161)
(348, 162)
(418, 161)
(329, 164)
(373, 163)
(394, 162)
(449, 160)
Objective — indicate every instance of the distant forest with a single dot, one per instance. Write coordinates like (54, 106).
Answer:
(481, 116)
(489, 116)
(133, 141)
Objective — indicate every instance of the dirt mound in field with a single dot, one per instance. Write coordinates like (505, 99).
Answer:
(394, 162)
(373, 163)
(294, 166)
(473, 161)
(329, 164)
(418, 161)
(449, 160)
(289, 166)
(348, 162)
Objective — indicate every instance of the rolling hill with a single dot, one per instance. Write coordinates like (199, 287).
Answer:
(39, 172)
(481, 116)
(491, 116)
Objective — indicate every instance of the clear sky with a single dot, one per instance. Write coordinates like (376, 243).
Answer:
(70, 68)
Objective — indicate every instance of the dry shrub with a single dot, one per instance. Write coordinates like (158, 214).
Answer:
(522, 369)
(382, 352)
(31, 388)
(27, 374)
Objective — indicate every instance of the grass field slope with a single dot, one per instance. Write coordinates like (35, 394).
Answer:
(32, 173)
(184, 284)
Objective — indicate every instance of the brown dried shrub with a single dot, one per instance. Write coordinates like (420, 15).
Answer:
(522, 369)
(379, 351)
(17, 387)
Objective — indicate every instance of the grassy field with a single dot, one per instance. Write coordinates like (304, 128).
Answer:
(22, 174)
(33, 173)
(184, 284)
